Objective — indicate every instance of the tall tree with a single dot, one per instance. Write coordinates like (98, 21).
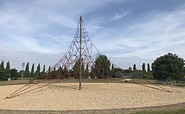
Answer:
(76, 69)
(83, 71)
(112, 70)
(148, 68)
(37, 72)
(66, 73)
(93, 72)
(60, 73)
(143, 67)
(102, 64)
(2, 65)
(143, 70)
(152, 67)
(32, 71)
(8, 66)
(169, 66)
(8, 69)
(27, 72)
(129, 68)
(134, 67)
(87, 71)
(44, 69)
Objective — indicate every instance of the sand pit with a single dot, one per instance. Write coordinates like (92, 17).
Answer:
(66, 96)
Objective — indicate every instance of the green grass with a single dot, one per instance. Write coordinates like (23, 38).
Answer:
(164, 111)
(18, 82)
(113, 80)
(13, 82)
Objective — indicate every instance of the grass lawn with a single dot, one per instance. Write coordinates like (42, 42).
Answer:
(165, 111)
(13, 82)
(113, 80)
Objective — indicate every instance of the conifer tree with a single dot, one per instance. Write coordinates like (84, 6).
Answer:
(32, 71)
(8, 66)
(27, 72)
(37, 72)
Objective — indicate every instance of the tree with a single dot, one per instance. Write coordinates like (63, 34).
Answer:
(117, 73)
(4, 75)
(60, 73)
(143, 67)
(93, 72)
(143, 70)
(2, 65)
(32, 71)
(102, 64)
(8, 69)
(112, 70)
(152, 66)
(8, 66)
(169, 66)
(87, 71)
(37, 72)
(44, 69)
(66, 73)
(27, 72)
(76, 69)
(148, 68)
(83, 70)
(14, 74)
(134, 67)
(129, 70)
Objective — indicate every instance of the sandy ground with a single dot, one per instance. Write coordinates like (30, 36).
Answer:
(66, 96)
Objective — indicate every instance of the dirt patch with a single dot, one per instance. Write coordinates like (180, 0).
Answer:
(92, 97)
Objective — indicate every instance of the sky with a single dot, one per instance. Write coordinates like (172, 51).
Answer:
(127, 31)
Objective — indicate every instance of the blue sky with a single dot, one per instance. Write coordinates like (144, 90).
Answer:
(127, 31)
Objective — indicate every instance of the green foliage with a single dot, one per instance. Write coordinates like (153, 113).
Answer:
(87, 71)
(5, 73)
(37, 72)
(93, 72)
(27, 72)
(143, 67)
(129, 70)
(32, 71)
(117, 73)
(83, 71)
(60, 73)
(44, 68)
(66, 73)
(8, 66)
(169, 66)
(148, 68)
(14, 74)
(2, 65)
(164, 111)
(76, 69)
(134, 67)
(102, 65)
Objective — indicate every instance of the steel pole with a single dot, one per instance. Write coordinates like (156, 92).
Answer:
(80, 53)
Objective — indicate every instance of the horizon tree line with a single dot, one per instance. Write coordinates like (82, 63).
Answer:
(102, 69)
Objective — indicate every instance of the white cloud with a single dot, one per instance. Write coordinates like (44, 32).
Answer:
(120, 15)
(159, 33)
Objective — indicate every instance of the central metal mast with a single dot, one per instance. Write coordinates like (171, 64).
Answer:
(80, 53)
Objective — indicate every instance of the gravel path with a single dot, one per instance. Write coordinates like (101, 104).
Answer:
(93, 96)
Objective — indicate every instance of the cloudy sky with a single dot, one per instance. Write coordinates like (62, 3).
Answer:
(127, 31)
